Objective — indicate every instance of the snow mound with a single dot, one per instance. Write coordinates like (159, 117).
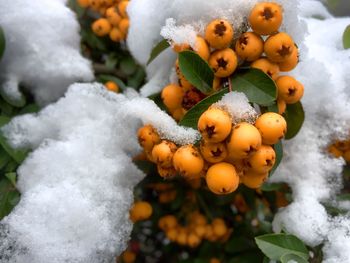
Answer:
(42, 50)
(77, 184)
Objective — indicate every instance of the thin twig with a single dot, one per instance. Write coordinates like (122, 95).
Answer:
(229, 84)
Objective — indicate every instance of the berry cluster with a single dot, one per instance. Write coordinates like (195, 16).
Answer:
(114, 21)
(263, 48)
(340, 149)
(229, 153)
(195, 230)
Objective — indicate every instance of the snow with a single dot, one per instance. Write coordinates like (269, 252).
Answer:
(77, 184)
(42, 50)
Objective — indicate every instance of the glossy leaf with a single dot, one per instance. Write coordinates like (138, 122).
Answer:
(279, 155)
(196, 70)
(294, 116)
(2, 42)
(293, 258)
(159, 48)
(191, 117)
(275, 246)
(346, 37)
(256, 85)
(9, 197)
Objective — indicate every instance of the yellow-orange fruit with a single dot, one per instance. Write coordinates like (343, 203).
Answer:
(163, 153)
(201, 47)
(213, 152)
(95, 4)
(171, 234)
(116, 35)
(167, 222)
(101, 27)
(188, 161)
(199, 230)
(214, 125)
(165, 172)
(216, 83)
(179, 47)
(197, 218)
(209, 233)
(112, 16)
(244, 140)
(172, 96)
(184, 83)
(279, 47)
(167, 197)
(124, 25)
(182, 237)
(214, 260)
(222, 178)
(193, 240)
(141, 210)
(266, 18)
(334, 151)
(178, 113)
(112, 86)
(272, 127)
(148, 137)
(122, 5)
(249, 46)
(219, 33)
(282, 105)
(254, 180)
(289, 89)
(223, 62)
(219, 227)
(346, 156)
(128, 256)
(262, 160)
(83, 3)
(342, 145)
(107, 2)
(291, 62)
(267, 66)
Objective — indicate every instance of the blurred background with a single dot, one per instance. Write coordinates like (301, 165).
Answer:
(338, 7)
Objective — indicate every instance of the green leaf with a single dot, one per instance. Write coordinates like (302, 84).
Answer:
(293, 257)
(256, 85)
(239, 244)
(9, 197)
(271, 187)
(12, 178)
(128, 65)
(346, 37)
(106, 78)
(4, 120)
(294, 116)
(191, 117)
(159, 48)
(275, 246)
(196, 70)
(4, 158)
(30, 108)
(2, 42)
(279, 155)
(137, 79)
(17, 155)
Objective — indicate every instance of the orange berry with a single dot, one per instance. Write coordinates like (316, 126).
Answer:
(165, 172)
(167, 222)
(346, 156)
(128, 256)
(95, 4)
(214, 125)
(254, 180)
(214, 260)
(201, 48)
(279, 47)
(197, 218)
(148, 137)
(116, 35)
(200, 230)
(244, 140)
(342, 145)
(289, 89)
(178, 113)
(291, 62)
(172, 96)
(213, 152)
(219, 33)
(122, 8)
(188, 161)
(193, 240)
(267, 66)
(179, 47)
(83, 3)
(262, 160)
(272, 127)
(107, 2)
(223, 62)
(141, 210)
(124, 26)
(219, 227)
(112, 16)
(334, 151)
(216, 83)
(171, 234)
(182, 237)
(112, 86)
(249, 46)
(266, 18)
(101, 27)
(222, 178)
(167, 197)
(163, 153)
(282, 105)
